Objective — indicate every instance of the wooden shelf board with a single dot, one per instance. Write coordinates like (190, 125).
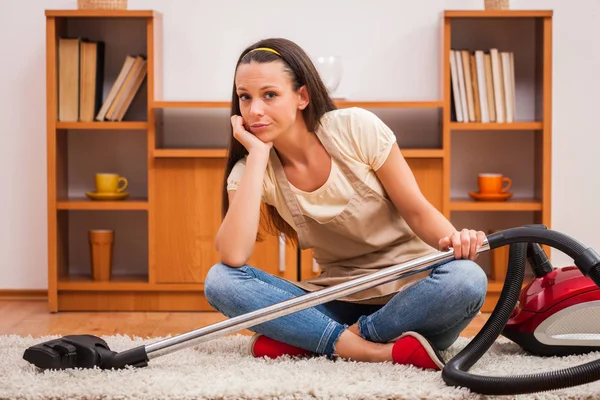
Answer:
(83, 203)
(498, 13)
(122, 283)
(422, 153)
(222, 153)
(467, 204)
(102, 13)
(124, 125)
(191, 104)
(190, 153)
(389, 104)
(493, 126)
(339, 103)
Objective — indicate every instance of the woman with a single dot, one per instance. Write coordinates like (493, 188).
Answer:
(334, 180)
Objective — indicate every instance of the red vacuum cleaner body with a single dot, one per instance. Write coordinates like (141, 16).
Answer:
(557, 314)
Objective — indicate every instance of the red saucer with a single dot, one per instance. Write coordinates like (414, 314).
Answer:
(490, 196)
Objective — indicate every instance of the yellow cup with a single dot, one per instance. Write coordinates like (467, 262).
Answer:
(109, 183)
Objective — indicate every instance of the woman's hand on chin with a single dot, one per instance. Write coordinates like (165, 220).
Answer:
(247, 139)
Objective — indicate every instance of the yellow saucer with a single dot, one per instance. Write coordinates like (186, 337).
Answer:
(107, 196)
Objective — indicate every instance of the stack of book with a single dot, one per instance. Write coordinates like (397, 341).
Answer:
(81, 79)
(483, 85)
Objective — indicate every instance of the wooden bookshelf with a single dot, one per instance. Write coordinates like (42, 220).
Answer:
(482, 30)
(70, 212)
(169, 225)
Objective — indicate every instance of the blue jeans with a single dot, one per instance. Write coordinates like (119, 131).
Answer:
(438, 307)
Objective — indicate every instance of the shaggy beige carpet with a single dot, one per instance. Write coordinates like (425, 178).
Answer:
(221, 369)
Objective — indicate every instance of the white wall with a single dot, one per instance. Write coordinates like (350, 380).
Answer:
(390, 51)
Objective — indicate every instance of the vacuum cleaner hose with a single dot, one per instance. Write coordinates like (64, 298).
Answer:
(455, 371)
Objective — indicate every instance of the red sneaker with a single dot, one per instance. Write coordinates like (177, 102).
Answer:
(261, 346)
(413, 349)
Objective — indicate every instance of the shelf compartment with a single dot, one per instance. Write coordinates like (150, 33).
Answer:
(505, 35)
(191, 126)
(130, 253)
(83, 203)
(122, 37)
(80, 154)
(514, 154)
(493, 126)
(466, 204)
(105, 125)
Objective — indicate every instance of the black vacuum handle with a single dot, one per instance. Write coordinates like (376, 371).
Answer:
(586, 258)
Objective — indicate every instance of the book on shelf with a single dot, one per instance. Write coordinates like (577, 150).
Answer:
(121, 94)
(482, 85)
(80, 80)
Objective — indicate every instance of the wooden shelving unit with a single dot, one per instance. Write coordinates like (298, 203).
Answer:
(165, 232)
(481, 30)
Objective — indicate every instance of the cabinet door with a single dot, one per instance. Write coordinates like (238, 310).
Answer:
(428, 173)
(186, 219)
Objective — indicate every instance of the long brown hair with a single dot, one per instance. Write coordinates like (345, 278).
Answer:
(302, 72)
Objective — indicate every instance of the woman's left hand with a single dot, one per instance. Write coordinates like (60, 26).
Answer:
(465, 243)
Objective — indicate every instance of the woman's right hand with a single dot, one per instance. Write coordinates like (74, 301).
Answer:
(247, 139)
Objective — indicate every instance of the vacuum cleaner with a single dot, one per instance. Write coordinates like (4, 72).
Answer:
(556, 314)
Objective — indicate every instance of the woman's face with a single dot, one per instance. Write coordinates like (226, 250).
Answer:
(267, 100)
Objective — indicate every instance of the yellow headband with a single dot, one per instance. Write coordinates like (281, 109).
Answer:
(265, 49)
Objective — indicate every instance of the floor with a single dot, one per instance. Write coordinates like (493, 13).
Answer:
(31, 317)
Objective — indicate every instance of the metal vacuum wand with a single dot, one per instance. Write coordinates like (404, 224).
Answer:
(299, 303)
